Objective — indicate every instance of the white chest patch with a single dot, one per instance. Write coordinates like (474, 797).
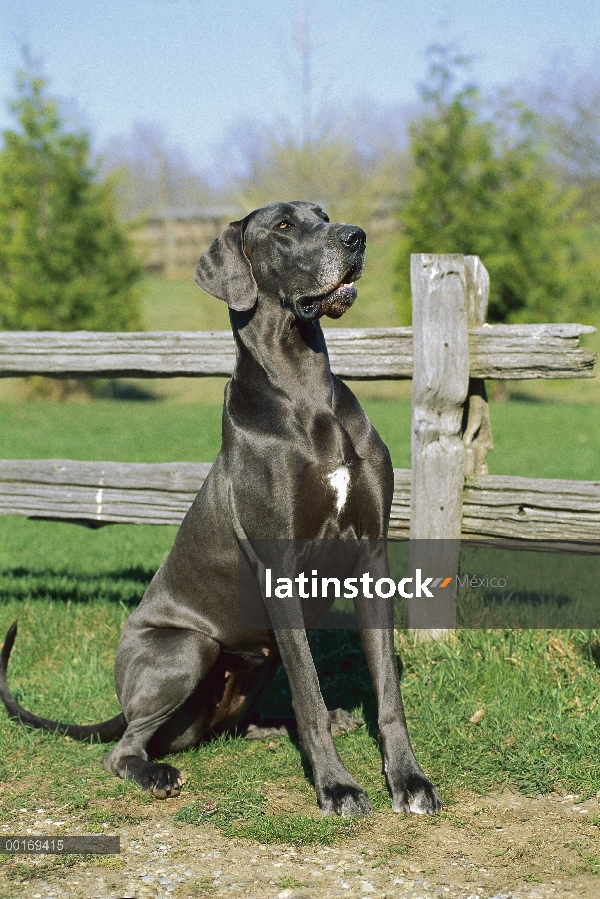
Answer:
(340, 481)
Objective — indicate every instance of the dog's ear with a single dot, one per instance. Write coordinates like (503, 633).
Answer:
(225, 272)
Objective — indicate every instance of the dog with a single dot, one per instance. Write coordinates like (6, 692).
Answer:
(299, 461)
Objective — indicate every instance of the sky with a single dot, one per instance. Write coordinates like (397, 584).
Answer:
(196, 67)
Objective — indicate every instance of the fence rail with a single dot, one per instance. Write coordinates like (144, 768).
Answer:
(101, 493)
(496, 351)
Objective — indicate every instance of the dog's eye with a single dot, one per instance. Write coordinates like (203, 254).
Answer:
(284, 225)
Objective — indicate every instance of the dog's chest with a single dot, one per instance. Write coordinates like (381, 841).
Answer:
(339, 479)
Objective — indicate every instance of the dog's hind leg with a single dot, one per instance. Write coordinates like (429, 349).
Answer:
(263, 727)
(156, 670)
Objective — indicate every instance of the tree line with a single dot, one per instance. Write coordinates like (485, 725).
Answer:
(514, 179)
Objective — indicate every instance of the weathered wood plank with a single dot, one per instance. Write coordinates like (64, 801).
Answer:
(498, 507)
(440, 386)
(497, 351)
(100, 492)
(400, 514)
(477, 426)
(354, 353)
(102, 354)
(370, 353)
(533, 509)
(530, 351)
(179, 477)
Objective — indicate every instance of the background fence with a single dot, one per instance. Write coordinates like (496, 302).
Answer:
(448, 353)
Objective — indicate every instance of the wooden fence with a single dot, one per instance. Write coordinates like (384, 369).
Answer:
(448, 353)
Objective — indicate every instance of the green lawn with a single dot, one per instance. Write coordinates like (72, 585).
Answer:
(532, 439)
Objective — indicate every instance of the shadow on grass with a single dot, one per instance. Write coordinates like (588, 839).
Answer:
(520, 396)
(115, 389)
(124, 586)
(526, 609)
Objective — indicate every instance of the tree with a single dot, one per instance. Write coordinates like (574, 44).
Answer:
(151, 174)
(65, 260)
(484, 186)
(355, 166)
(568, 103)
(350, 158)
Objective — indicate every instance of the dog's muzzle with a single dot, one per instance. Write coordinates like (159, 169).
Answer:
(334, 303)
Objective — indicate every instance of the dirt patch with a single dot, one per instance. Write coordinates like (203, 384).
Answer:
(505, 846)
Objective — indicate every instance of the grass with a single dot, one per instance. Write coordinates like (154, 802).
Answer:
(539, 692)
(123, 431)
(552, 440)
(72, 589)
(239, 810)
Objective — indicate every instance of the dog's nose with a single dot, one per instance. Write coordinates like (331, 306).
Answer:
(353, 237)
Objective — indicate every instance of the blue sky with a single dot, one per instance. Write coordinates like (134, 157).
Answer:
(197, 66)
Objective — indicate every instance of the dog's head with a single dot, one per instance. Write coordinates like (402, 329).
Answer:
(290, 252)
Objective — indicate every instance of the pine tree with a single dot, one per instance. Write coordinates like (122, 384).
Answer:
(483, 186)
(65, 260)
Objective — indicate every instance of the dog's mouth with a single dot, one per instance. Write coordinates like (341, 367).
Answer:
(334, 303)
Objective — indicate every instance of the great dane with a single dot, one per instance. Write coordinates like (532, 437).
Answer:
(299, 461)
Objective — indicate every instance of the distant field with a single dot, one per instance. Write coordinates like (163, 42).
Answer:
(532, 439)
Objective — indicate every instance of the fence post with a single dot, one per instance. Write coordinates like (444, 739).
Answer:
(477, 436)
(439, 392)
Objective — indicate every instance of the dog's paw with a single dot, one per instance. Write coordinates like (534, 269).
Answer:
(342, 722)
(256, 732)
(417, 795)
(347, 799)
(163, 781)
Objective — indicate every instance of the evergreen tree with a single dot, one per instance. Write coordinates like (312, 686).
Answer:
(484, 186)
(65, 260)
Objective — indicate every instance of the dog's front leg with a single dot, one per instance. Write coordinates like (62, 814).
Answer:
(337, 791)
(411, 790)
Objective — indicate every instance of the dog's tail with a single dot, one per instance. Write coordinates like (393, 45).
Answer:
(104, 732)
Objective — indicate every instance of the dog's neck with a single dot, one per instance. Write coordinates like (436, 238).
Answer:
(290, 354)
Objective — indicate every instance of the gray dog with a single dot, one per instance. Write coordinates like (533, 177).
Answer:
(299, 461)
